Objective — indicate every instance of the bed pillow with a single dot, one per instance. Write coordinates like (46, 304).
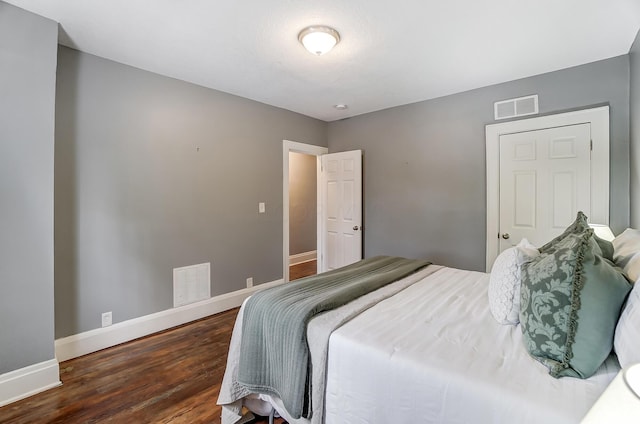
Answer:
(504, 282)
(605, 246)
(571, 299)
(626, 341)
(626, 253)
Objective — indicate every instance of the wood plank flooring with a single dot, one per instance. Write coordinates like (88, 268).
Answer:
(304, 269)
(169, 377)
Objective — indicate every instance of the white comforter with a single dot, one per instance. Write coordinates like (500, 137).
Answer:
(434, 354)
(426, 350)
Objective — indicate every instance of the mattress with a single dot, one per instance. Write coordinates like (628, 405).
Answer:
(433, 353)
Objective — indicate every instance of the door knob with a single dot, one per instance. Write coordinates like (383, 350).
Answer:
(356, 228)
(505, 236)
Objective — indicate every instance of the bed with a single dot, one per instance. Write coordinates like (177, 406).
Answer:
(428, 348)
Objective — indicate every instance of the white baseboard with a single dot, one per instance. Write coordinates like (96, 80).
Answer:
(102, 338)
(28, 381)
(300, 258)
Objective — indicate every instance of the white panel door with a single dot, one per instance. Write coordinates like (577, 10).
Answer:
(545, 179)
(341, 186)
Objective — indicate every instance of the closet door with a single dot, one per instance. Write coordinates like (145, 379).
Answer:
(545, 179)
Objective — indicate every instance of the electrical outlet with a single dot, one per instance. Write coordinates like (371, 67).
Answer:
(261, 207)
(107, 318)
(249, 282)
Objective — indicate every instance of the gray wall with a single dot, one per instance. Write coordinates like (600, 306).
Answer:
(302, 203)
(28, 45)
(634, 59)
(154, 173)
(424, 163)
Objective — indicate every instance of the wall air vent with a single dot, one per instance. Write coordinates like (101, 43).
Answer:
(191, 284)
(516, 107)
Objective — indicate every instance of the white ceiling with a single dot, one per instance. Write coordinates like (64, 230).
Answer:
(391, 53)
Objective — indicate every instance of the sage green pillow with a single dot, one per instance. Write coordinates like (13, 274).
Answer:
(606, 246)
(571, 299)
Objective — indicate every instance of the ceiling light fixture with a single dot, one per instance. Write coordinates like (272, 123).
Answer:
(341, 106)
(319, 39)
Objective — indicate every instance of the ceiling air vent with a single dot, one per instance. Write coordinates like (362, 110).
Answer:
(516, 107)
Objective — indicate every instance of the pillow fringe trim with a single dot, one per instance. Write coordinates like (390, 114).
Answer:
(576, 289)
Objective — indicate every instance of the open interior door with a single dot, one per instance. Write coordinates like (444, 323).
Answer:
(340, 235)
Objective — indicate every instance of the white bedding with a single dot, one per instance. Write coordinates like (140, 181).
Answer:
(433, 354)
(428, 352)
(234, 396)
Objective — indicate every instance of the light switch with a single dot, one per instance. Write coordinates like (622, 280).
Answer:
(261, 208)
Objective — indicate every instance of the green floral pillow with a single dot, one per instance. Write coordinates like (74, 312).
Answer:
(570, 303)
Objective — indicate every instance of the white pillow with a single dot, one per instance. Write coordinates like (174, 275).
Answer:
(504, 282)
(626, 341)
(626, 253)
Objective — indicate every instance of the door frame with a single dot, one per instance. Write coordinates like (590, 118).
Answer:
(599, 120)
(289, 146)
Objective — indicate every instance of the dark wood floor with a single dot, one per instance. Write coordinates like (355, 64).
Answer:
(169, 377)
(302, 270)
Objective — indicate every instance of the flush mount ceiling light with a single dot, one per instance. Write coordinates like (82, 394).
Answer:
(319, 39)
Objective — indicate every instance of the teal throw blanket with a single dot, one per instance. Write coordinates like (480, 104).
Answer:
(274, 355)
